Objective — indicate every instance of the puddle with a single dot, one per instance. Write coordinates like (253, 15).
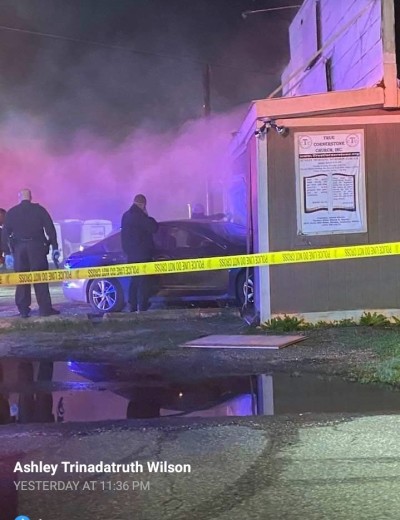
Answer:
(32, 391)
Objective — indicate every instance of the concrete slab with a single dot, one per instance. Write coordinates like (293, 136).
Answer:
(244, 341)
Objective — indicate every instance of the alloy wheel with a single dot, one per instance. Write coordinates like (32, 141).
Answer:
(104, 295)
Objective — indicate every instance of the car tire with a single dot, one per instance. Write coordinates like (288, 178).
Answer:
(243, 284)
(106, 295)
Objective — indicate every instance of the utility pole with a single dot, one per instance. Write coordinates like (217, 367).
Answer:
(206, 114)
(207, 90)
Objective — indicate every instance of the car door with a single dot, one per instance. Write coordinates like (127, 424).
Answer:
(176, 242)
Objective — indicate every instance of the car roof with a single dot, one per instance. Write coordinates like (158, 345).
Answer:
(211, 225)
(203, 221)
(193, 221)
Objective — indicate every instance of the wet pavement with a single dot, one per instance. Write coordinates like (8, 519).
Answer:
(260, 442)
(315, 467)
(255, 446)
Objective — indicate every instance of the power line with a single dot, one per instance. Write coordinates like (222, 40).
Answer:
(129, 49)
(245, 14)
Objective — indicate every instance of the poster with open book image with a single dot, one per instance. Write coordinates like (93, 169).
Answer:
(335, 192)
(330, 182)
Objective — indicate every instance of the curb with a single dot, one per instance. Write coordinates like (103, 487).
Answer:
(171, 314)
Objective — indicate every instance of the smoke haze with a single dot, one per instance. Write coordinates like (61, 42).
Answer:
(97, 178)
(86, 127)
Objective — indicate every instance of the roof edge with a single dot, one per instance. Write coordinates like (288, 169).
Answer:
(324, 103)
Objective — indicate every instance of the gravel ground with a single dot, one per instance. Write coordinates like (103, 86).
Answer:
(153, 339)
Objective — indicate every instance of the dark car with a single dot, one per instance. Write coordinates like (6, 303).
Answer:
(174, 240)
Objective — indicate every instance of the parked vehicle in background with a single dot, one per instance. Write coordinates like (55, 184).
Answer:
(174, 240)
(72, 233)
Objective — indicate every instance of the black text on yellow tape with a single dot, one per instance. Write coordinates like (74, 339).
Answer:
(204, 264)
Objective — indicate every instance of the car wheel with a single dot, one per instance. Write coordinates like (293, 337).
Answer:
(106, 296)
(245, 285)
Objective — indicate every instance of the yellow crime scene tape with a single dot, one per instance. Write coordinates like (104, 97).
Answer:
(204, 264)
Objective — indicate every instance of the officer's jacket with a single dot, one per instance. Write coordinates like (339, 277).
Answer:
(28, 221)
(137, 230)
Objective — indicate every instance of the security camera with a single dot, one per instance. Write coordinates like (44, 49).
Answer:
(282, 130)
(267, 124)
(263, 128)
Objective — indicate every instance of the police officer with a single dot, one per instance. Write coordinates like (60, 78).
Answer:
(198, 212)
(137, 230)
(23, 234)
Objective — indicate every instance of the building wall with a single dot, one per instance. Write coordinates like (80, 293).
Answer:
(342, 285)
(237, 190)
(356, 55)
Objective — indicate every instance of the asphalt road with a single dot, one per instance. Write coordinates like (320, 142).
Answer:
(310, 467)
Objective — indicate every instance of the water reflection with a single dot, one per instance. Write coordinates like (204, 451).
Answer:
(47, 392)
(5, 416)
(34, 406)
(39, 392)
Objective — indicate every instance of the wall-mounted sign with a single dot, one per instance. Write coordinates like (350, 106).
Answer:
(330, 182)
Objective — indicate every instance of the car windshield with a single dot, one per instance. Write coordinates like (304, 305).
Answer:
(229, 231)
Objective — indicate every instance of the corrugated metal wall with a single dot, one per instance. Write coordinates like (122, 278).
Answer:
(342, 285)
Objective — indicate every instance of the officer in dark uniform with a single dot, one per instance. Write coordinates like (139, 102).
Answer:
(198, 212)
(23, 234)
(137, 230)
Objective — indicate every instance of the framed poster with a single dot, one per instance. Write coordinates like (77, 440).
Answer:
(330, 182)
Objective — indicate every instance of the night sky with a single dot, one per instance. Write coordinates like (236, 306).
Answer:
(110, 92)
(86, 126)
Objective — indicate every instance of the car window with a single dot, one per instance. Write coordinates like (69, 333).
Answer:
(170, 237)
(181, 236)
(184, 238)
(163, 239)
(112, 243)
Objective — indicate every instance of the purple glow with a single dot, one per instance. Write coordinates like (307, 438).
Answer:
(95, 178)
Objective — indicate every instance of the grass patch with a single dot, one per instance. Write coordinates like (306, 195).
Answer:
(372, 344)
(153, 331)
(293, 323)
(72, 326)
(57, 326)
(385, 371)
(374, 320)
(346, 322)
(285, 324)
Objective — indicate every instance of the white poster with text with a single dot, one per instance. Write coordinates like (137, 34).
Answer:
(330, 174)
